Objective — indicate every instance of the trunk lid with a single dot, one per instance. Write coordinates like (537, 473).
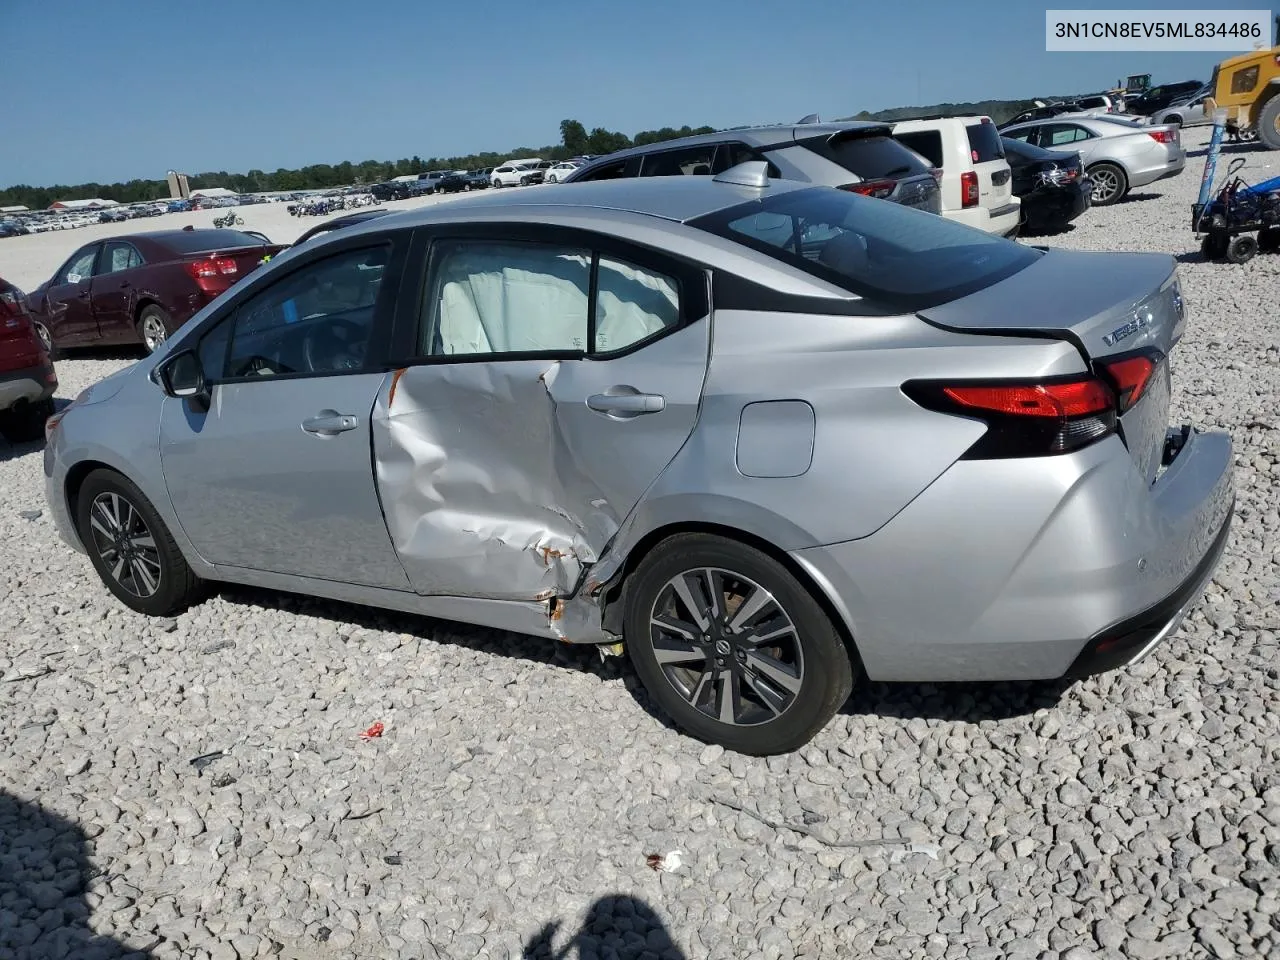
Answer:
(1111, 306)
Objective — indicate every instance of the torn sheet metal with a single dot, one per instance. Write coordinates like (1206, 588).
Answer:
(500, 480)
(480, 494)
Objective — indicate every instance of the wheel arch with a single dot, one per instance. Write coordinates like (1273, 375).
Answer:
(613, 598)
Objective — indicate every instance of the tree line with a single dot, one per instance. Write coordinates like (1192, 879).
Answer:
(575, 140)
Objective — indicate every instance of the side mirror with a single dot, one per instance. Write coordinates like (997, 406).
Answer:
(182, 376)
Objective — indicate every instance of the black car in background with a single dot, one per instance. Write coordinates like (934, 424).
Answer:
(1157, 98)
(453, 182)
(479, 179)
(393, 190)
(1050, 183)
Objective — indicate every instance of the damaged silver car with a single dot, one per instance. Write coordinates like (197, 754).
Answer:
(770, 439)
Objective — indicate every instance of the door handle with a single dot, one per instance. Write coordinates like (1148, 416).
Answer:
(83, 295)
(329, 424)
(626, 405)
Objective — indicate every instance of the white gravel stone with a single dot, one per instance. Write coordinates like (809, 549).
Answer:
(520, 784)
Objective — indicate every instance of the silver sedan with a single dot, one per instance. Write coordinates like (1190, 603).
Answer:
(1118, 153)
(768, 439)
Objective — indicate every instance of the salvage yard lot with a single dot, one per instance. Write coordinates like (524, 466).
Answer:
(518, 784)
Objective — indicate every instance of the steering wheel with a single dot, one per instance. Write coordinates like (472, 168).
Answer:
(256, 365)
(335, 343)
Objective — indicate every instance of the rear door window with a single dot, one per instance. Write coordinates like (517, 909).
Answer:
(120, 256)
(902, 258)
(874, 157)
(689, 161)
(984, 142)
(927, 143)
(1059, 134)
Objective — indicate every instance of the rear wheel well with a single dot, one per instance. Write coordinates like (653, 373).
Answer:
(142, 305)
(614, 598)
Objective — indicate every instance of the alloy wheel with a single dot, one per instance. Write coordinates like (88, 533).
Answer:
(153, 332)
(727, 646)
(1105, 185)
(125, 544)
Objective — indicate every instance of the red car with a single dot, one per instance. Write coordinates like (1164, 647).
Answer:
(140, 288)
(27, 380)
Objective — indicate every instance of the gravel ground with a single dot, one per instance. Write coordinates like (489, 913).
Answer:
(508, 808)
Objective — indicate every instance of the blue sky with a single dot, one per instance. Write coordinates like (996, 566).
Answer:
(94, 91)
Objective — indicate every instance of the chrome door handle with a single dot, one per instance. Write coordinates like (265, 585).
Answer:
(330, 424)
(627, 404)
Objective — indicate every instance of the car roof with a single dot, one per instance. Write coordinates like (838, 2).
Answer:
(763, 136)
(678, 199)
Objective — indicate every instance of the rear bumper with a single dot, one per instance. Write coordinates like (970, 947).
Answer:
(27, 386)
(1001, 220)
(1158, 169)
(1012, 570)
(1057, 205)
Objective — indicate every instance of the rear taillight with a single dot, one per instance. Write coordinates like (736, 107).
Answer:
(11, 303)
(1130, 377)
(1161, 136)
(213, 267)
(872, 188)
(968, 189)
(1027, 419)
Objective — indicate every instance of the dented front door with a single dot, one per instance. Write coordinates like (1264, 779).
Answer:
(506, 479)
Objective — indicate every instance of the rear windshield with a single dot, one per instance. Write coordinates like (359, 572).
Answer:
(870, 157)
(902, 258)
(927, 143)
(984, 142)
(198, 241)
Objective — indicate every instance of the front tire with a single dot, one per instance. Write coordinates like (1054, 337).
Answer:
(1110, 183)
(732, 646)
(1269, 123)
(1242, 248)
(131, 548)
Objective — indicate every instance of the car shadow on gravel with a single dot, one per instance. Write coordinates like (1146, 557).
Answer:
(15, 451)
(1138, 197)
(618, 925)
(965, 702)
(44, 872)
(1254, 147)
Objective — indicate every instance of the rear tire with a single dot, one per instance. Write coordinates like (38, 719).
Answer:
(153, 327)
(761, 685)
(25, 424)
(131, 548)
(1242, 248)
(1269, 123)
(46, 338)
(1110, 183)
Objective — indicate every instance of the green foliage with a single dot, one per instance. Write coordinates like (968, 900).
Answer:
(997, 110)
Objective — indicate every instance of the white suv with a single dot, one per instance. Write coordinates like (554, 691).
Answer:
(977, 184)
(513, 173)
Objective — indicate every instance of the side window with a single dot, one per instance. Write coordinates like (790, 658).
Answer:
(927, 143)
(505, 297)
(79, 267)
(1026, 136)
(632, 304)
(1062, 133)
(690, 161)
(120, 256)
(628, 167)
(317, 319)
(731, 154)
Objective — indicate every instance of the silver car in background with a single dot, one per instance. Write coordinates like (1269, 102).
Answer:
(769, 439)
(1118, 153)
(1192, 111)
